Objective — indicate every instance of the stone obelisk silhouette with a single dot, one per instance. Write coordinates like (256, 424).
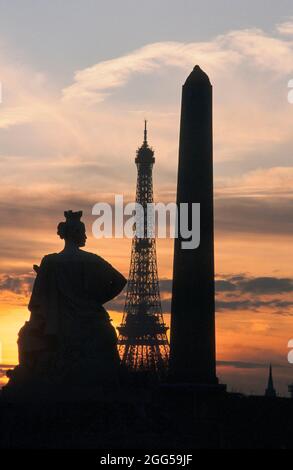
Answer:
(192, 355)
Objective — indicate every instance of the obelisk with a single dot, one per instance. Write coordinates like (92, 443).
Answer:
(192, 355)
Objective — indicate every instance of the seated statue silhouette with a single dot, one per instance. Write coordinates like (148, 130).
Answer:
(69, 341)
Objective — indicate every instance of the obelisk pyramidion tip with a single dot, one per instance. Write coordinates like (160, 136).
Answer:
(197, 76)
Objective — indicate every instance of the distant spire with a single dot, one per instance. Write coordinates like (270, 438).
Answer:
(145, 141)
(270, 391)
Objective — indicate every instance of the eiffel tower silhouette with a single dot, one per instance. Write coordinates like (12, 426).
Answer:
(142, 343)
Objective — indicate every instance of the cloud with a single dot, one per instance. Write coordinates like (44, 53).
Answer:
(3, 370)
(256, 215)
(233, 293)
(5, 367)
(260, 285)
(264, 51)
(26, 93)
(278, 305)
(15, 116)
(254, 294)
(245, 365)
(60, 138)
(255, 285)
(266, 285)
(259, 182)
(166, 285)
(225, 286)
(239, 286)
(286, 28)
(95, 83)
(17, 284)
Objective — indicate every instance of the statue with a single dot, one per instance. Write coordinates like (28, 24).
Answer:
(69, 341)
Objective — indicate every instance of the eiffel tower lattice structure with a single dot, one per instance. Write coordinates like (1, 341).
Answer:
(142, 342)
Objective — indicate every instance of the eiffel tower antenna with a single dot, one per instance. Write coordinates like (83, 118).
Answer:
(145, 133)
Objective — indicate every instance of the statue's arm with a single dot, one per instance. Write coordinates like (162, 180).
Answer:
(117, 283)
(114, 281)
(35, 302)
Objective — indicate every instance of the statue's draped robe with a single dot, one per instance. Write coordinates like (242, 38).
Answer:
(69, 334)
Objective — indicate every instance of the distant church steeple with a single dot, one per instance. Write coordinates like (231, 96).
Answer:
(270, 391)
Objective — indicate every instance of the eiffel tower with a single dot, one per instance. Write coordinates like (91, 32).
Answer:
(142, 342)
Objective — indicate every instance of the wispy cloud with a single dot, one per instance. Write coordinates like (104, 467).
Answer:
(254, 294)
(246, 365)
(97, 82)
(235, 293)
(286, 28)
(260, 182)
(228, 50)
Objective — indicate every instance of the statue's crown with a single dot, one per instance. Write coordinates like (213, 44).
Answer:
(71, 216)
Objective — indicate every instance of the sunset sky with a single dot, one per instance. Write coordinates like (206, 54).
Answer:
(79, 77)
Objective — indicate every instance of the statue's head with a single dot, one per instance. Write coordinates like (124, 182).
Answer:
(73, 230)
